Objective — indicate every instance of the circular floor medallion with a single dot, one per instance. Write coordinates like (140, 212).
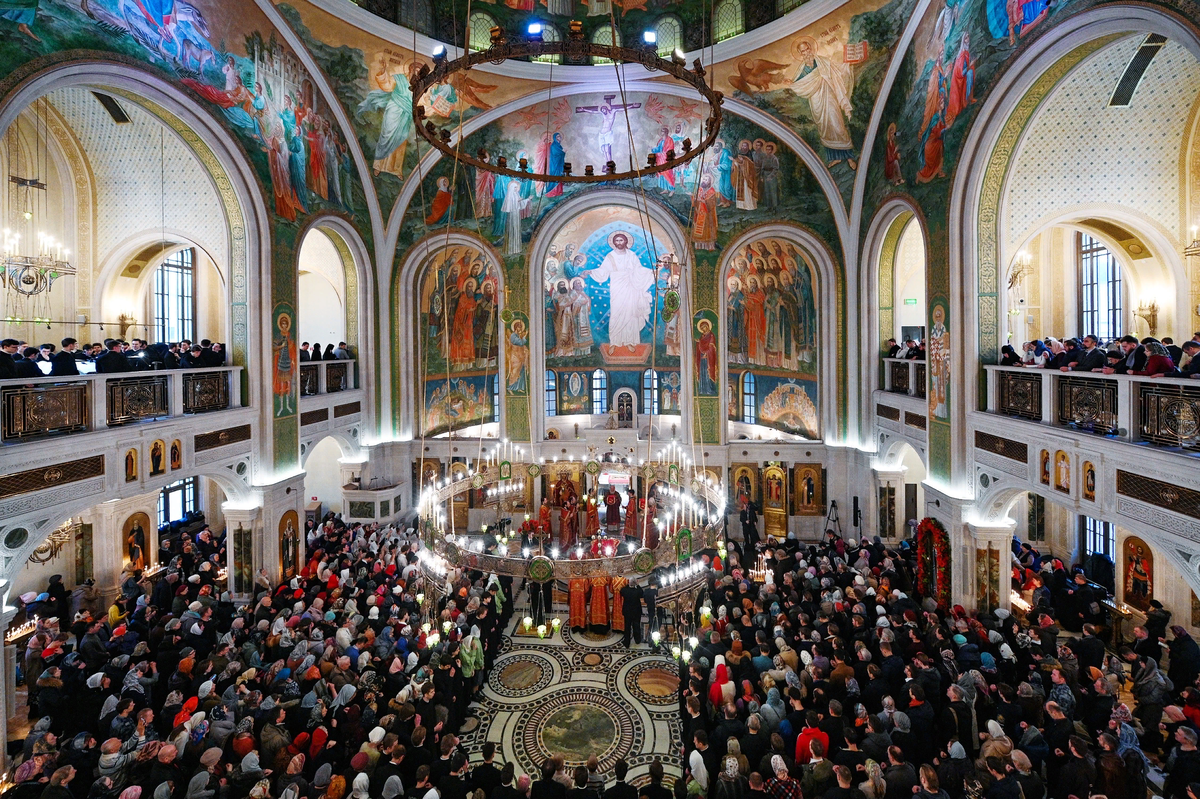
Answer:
(469, 726)
(653, 682)
(592, 659)
(578, 722)
(520, 675)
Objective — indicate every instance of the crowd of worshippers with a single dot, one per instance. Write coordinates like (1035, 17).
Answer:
(835, 679)
(18, 359)
(323, 686)
(1149, 357)
(832, 679)
(910, 350)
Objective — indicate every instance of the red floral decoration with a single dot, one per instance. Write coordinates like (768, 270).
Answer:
(933, 561)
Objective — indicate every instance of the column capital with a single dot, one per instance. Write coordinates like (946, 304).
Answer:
(883, 474)
(993, 532)
(242, 515)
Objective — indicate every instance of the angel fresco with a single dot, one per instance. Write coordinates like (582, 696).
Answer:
(391, 95)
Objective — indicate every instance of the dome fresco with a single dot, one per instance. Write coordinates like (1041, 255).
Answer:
(825, 118)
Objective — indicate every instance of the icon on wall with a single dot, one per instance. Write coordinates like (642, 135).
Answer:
(131, 466)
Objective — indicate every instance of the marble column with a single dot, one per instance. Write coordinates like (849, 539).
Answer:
(993, 565)
(949, 509)
(889, 489)
(242, 526)
(8, 673)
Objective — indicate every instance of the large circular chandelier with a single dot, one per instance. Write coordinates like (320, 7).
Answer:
(575, 48)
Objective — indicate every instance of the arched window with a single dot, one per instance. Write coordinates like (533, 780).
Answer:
(418, 15)
(668, 33)
(599, 391)
(749, 415)
(175, 297)
(551, 393)
(728, 20)
(480, 30)
(495, 383)
(650, 391)
(605, 35)
(550, 34)
(178, 499)
(784, 6)
(1100, 298)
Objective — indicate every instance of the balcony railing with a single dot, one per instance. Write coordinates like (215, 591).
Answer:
(1164, 412)
(32, 408)
(902, 376)
(326, 377)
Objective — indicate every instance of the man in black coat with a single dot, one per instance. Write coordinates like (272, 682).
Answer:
(1089, 649)
(63, 363)
(749, 519)
(1088, 359)
(486, 776)
(113, 361)
(27, 366)
(631, 608)
(8, 352)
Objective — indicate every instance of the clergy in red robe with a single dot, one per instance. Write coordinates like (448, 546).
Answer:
(618, 615)
(598, 618)
(577, 616)
(612, 510)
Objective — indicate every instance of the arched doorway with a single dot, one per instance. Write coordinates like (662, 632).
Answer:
(909, 282)
(324, 474)
(323, 299)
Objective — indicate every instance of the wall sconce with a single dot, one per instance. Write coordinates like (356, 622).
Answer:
(126, 321)
(1194, 247)
(1148, 312)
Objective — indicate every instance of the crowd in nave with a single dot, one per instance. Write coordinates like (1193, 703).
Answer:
(827, 677)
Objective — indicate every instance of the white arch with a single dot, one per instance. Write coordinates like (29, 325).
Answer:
(109, 301)
(361, 271)
(201, 129)
(825, 299)
(870, 266)
(1004, 97)
(547, 229)
(1167, 260)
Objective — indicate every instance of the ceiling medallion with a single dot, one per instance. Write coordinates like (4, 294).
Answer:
(574, 49)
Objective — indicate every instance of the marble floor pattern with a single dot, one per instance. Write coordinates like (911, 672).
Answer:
(578, 694)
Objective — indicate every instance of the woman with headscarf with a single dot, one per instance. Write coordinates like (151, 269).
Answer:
(874, 786)
(731, 782)
(955, 770)
(773, 710)
(293, 777)
(362, 787)
(995, 744)
(1158, 362)
(716, 691)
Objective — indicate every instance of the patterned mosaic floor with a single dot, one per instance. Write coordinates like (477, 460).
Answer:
(576, 695)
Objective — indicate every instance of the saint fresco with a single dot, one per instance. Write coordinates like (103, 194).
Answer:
(460, 333)
(771, 331)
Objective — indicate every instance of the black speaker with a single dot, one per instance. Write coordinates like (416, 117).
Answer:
(857, 513)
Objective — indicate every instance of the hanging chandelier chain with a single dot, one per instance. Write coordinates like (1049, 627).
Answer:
(575, 47)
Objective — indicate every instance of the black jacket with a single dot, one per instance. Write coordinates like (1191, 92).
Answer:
(1096, 359)
(113, 362)
(26, 367)
(63, 364)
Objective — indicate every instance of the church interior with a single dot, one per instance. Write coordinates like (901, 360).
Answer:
(491, 399)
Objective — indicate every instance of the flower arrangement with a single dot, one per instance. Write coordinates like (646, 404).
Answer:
(933, 561)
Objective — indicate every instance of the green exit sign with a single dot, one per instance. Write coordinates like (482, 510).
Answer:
(910, 300)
